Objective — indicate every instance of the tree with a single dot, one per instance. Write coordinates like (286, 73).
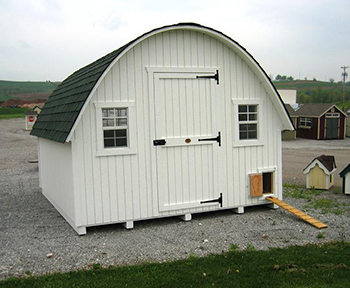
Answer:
(331, 80)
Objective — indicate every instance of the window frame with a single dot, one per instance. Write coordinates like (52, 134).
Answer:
(305, 121)
(130, 128)
(115, 127)
(248, 121)
(260, 140)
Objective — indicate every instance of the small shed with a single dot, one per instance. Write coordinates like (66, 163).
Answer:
(290, 135)
(348, 123)
(170, 124)
(319, 173)
(30, 118)
(289, 96)
(320, 121)
(37, 109)
(345, 174)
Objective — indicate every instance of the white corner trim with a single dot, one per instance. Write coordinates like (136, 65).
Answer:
(267, 169)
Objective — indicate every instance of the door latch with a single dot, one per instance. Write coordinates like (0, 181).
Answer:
(217, 139)
(159, 142)
(219, 200)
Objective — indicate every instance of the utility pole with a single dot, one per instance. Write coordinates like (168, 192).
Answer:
(344, 75)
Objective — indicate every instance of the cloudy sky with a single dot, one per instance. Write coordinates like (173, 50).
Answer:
(50, 39)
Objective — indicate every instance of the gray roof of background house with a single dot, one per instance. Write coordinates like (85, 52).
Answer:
(291, 110)
(62, 109)
(314, 109)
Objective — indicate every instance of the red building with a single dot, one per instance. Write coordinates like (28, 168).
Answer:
(319, 121)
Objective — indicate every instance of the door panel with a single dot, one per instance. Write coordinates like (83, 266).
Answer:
(332, 128)
(186, 168)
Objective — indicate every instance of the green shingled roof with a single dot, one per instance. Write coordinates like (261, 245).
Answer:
(63, 107)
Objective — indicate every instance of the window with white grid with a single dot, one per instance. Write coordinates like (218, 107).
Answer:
(115, 127)
(248, 122)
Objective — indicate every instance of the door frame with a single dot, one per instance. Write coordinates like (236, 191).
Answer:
(152, 71)
(338, 128)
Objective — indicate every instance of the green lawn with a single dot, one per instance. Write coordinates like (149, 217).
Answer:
(7, 113)
(18, 87)
(308, 266)
(306, 84)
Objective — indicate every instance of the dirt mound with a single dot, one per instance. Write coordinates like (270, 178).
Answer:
(43, 96)
(22, 103)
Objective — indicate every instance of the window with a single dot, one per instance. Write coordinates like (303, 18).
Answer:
(248, 121)
(115, 127)
(305, 122)
(332, 115)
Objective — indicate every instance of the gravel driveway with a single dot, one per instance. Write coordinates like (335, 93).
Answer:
(30, 228)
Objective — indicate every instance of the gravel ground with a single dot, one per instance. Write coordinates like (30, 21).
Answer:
(30, 228)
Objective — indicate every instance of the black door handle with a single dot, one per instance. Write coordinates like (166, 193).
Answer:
(217, 139)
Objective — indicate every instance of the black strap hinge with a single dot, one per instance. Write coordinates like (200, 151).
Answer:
(217, 139)
(215, 77)
(219, 200)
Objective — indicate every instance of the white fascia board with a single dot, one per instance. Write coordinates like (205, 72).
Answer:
(313, 164)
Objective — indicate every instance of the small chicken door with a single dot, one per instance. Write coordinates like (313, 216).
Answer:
(187, 140)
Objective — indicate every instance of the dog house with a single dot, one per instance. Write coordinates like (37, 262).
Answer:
(175, 122)
(319, 173)
(345, 175)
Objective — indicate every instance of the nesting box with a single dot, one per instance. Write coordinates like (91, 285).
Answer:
(319, 173)
(345, 175)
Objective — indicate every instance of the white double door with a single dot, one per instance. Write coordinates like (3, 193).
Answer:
(187, 144)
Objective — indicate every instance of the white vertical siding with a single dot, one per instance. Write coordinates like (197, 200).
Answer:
(56, 173)
(121, 188)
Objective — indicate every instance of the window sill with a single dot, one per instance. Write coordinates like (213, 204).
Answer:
(115, 152)
(245, 143)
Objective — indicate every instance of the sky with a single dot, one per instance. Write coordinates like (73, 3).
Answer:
(50, 39)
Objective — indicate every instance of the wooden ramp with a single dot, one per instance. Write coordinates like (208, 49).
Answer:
(298, 213)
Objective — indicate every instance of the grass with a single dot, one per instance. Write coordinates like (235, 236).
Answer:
(326, 265)
(7, 113)
(325, 205)
(295, 191)
(18, 87)
(4, 97)
(306, 84)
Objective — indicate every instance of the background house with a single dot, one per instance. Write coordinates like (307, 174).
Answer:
(289, 96)
(319, 121)
(291, 135)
